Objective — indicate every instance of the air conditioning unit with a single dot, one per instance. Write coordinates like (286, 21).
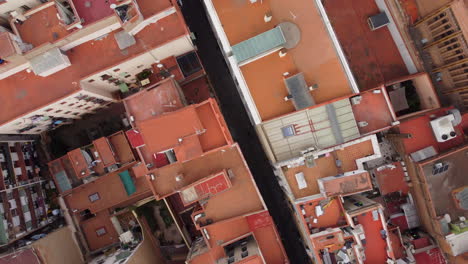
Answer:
(443, 128)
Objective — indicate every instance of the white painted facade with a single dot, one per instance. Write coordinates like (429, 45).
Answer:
(13, 5)
(127, 70)
(69, 107)
(73, 108)
(100, 92)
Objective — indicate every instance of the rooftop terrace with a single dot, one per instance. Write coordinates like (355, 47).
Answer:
(375, 246)
(314, 55)
(195, 129)
(332, 214)
(374, 109)
(327, 165)
(266, 237)
(16, 101)
(373, 55)
(391, 178)
(441, 183)
(422, 135)
(91, 11)
(42, 27)
(157, 99)
(94, 10)
(149, 8)
(240, 199)
(111, 192)
(328, 124)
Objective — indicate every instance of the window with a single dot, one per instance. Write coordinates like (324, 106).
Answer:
(90, 81)
(58, 111)
(48, 109)
(64, 102)
(189, 63)
(94, 197)
(116, 70)
(288, 131)
(101, 231)
(105, 77)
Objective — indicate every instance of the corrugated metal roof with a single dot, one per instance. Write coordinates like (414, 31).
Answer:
(316, 127)
(259, 44)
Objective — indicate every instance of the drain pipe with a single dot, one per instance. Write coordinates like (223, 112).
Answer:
(336, 44)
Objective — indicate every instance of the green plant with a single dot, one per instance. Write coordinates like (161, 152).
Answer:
(146, 211)
(143, 75)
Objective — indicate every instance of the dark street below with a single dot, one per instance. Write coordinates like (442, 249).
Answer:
(242, 130)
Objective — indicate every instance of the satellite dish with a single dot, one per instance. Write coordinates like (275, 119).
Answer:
(113, 6)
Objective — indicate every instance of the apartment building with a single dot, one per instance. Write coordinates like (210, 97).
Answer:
(443, 36)
(192, 162)
(81, 57)
(432, 156)
(182, 156)
(94, 179)
(326, 91)
(22, 191)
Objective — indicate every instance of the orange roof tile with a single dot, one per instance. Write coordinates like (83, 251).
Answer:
(326, 166)
(42, 27)
(348, 184)
(266, 237)
(391, 179)
(92, 11)
(86, 59)
(202, 122)
(373, 55)
(149, 8)
(157, 99)
(110, 189)
(315, 55)
(374, 109)
(6, 45)
(333, 215)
